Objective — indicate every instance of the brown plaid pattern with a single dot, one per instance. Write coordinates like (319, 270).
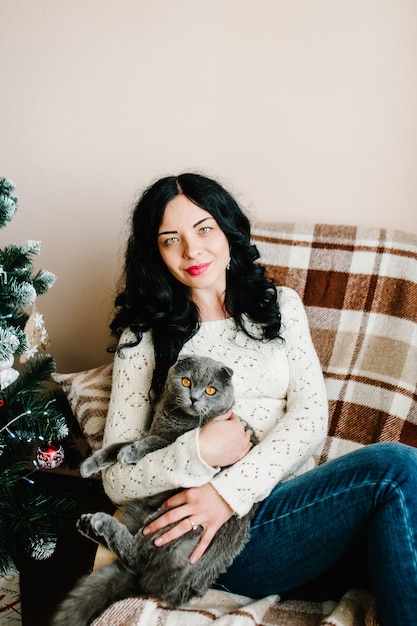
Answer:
(359, 286)
(218, 608)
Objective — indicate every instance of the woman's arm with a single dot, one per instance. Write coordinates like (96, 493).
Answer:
(298, 434)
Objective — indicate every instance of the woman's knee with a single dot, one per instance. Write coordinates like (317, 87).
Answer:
(397, 460)
(393, 452)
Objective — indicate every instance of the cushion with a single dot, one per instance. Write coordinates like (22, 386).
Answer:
(88, 394)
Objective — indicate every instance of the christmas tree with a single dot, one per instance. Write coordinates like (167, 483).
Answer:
(31, 422)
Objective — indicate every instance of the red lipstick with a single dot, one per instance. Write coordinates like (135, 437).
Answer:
(196, 270)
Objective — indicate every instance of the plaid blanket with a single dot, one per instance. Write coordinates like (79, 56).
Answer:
(359, 286)
(218, 608)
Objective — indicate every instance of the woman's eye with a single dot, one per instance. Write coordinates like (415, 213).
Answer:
(170, 241)
(186, 382)
(205, 229)
(210, 391)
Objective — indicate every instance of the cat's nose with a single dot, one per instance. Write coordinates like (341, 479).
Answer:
(193, 399)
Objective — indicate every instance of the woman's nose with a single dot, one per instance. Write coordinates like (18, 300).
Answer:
(191, 248)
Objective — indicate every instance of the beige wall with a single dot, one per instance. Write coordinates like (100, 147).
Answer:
(305, 108)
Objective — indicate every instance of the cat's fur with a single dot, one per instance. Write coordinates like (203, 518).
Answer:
(142, 568)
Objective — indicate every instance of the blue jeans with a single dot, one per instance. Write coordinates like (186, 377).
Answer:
(356, 515)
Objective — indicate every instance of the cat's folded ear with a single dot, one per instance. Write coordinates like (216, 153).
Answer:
(228, 370)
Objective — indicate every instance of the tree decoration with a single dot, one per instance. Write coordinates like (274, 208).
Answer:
(50, 455)
(36, 334)
(31, 423)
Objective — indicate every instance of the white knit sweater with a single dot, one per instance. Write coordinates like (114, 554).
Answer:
(279, 391)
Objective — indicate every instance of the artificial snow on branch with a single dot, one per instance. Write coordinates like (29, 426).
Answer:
(8, 202)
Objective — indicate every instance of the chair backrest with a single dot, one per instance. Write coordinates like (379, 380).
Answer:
(359, 286)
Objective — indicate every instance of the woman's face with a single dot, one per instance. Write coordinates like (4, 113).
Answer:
(193, 246)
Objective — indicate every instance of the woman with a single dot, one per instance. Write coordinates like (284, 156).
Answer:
(192, 286)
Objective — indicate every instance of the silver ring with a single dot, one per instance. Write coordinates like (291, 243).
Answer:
(193, 525)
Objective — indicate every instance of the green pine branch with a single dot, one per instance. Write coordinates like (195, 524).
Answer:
(8, 202)
(32, 377)
(30, 521)
(28, 411)
(15, 258)
(13, 341)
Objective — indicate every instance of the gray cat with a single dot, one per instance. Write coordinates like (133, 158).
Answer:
(197, 389)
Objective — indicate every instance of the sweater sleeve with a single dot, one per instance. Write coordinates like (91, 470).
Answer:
(295, 436)
(177, 465)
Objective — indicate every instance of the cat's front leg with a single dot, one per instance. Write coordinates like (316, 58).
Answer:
(108, 531)
(100, 459)
(136, 450)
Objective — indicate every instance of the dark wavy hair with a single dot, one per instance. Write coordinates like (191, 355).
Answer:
(150, 298)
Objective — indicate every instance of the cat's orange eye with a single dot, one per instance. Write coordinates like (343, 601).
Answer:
(210, 391)
(186, 382)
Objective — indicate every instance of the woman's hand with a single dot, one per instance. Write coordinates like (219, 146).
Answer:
(197, 506)
(224, 440)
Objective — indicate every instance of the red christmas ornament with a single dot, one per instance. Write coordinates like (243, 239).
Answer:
(50, 456)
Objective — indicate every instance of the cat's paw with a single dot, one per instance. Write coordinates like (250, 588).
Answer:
(89, 467)
(91, 524)
(84, 526)
(99, 521)
(129, 454)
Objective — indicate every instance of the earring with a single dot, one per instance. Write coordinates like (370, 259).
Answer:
(228, 264)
